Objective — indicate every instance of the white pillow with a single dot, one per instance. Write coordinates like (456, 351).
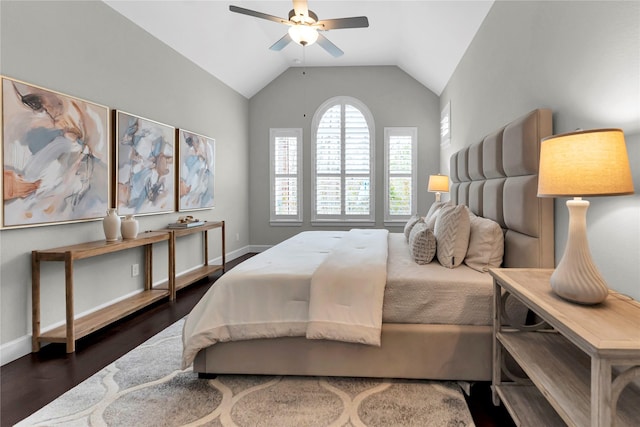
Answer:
(486, 244)
(409, 225)
(434, 210)
(452, 230)
(422, 243)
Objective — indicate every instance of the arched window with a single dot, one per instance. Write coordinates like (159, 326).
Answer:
(342, 150)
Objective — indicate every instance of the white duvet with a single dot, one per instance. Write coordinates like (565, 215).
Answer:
(319, 284)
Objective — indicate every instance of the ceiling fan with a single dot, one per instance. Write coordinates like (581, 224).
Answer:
(304, 26)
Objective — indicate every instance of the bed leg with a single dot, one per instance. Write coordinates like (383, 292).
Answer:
(466, 387)
(206, 376)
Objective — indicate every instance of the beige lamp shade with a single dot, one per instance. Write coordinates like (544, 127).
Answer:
(438, 183)
(585, 163)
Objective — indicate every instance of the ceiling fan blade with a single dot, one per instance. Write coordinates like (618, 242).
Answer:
(328, 46)
(255, 14)
(301, 8)
(282, 43)
(336, 24)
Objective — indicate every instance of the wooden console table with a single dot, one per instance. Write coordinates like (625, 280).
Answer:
(78, 328)
(205, 269)
(580, 361)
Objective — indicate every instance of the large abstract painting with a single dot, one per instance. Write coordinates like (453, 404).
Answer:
(56, 152)
(196, 172)
(145, 172)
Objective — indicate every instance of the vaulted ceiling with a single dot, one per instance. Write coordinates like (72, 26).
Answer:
(426, 39)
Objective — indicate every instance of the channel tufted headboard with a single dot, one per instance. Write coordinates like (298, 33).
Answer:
(497, 178)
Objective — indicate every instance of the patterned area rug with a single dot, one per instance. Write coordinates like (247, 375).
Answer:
(146, 387)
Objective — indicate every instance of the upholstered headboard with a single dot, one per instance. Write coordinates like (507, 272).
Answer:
(497, 178)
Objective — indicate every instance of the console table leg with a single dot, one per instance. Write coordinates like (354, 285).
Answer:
(35, 302)
(148, 267)
(68, 279)
(224, 268)
(206, 246)
(172, 267)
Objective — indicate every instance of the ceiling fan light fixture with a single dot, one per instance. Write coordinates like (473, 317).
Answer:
(304, 35)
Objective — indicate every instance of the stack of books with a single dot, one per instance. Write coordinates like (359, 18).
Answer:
(185, 224)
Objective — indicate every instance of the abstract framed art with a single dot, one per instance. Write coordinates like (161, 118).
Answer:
(145, 173)
(55, 156)
(196, 157)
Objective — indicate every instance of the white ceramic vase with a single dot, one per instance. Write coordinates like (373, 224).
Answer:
(129, 227)
(111, 225)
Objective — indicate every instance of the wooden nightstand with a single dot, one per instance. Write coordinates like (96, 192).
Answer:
(580, 361)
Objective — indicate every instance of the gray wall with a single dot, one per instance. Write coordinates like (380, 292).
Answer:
(394, 99)
(582, 60)
(87, 50)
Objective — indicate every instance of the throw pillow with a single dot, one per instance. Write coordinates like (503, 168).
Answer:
(422, 243)
(452, 230)
(434, 210)
(486, 244)
(409, 225)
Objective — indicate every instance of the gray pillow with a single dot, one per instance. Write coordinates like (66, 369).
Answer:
(409, 225)
(452, 231)
(486, 244)
(422, 243)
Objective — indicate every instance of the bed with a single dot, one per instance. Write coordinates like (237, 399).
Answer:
(436, 331)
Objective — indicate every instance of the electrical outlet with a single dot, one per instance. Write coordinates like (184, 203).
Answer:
(135, 270)
(237, 237)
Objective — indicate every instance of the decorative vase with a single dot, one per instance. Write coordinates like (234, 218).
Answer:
(111, 225)
(129, 227)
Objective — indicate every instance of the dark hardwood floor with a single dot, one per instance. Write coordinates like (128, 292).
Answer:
(33, 381)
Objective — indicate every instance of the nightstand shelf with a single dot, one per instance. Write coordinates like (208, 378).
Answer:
(580, 364)
(528, 406)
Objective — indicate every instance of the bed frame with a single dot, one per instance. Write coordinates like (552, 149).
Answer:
(496, 178)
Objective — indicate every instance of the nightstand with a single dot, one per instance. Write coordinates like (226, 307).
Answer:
(580, 361)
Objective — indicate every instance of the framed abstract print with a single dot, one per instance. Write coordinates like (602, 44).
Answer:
(55, 157)
(196, 171)
(145, 173)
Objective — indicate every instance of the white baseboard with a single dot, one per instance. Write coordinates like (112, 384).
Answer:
(15, 349)
(258, 248)
(22, 346)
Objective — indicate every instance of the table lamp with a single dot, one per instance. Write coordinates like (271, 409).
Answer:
(577, 164)
(438, 183)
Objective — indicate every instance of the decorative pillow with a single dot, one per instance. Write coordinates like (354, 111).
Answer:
(409, 225)
(434, 210)
(422, 243)
(452, 230)
(486, 244)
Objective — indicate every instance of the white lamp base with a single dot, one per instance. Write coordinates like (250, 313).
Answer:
(437, 196)
(576, 278)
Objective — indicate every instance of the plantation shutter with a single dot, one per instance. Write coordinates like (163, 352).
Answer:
(343, 163)
(286, 174)
(400, 175)
(400, 161)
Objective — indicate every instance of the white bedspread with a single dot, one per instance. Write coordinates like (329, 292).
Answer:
(347, 289)
(268, 295)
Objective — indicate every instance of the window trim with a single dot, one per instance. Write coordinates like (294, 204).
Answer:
(342, 219)
(285, 220)
(411, 131)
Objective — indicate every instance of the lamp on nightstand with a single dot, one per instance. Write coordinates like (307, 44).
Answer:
(577, 164)
(437, 184)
